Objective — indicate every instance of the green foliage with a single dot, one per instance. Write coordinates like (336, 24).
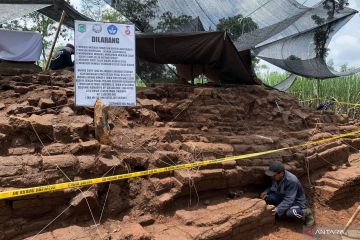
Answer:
(153, 72)
(93, 8)
(293, 57)
(100, 11)
(344, 89)
(334, 6)
(169, 22)
(139, 12)
(111, 15)
(322, 34)
(236, 26)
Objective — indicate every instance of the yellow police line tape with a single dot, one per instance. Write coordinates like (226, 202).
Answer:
(351, 104)
(309, 100)
(81, 183)
(335, 102)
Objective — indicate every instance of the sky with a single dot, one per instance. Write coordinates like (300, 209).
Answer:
(344, 47)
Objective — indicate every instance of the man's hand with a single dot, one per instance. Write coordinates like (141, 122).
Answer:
(271, 208)
(263, 195)
(273, 211)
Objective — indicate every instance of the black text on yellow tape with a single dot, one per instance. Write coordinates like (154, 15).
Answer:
(82, 183)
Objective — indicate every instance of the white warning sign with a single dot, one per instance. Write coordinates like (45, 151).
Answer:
(104, 64)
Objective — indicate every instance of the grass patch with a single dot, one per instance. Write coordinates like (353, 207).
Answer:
(313, 91)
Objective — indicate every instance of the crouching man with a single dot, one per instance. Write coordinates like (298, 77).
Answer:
(63, 58)
(287, 195)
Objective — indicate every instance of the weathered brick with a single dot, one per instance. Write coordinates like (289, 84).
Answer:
(63, 161)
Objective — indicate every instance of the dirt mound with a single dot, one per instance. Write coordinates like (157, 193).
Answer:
(46, 139)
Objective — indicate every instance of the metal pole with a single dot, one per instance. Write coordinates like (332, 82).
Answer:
(55, 40)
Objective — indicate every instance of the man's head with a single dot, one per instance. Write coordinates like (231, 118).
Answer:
(69, 45)
(276, 171)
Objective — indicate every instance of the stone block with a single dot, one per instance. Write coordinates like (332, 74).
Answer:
(62, 161)
(184, 176)
(201, 147)
(43, 123)
(21, 150)
(89, 146)
(5, 127)
(59, 97)
(63, 133)
(20, 108)
(55, 149)
(67, 111)
(83, 201)
(132, 231)
(45, 103)
(117, 199)
(104, 164)
(165, 158)
(212, 174)
(87, 162)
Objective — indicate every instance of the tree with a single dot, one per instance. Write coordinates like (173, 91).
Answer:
(236, 26)
(139, 12)
(334, 6)
(169, 22)
(111, 15)
(293, 58)
(322, 33)
(100, 11)
(331, 64)
(344, 68)
(93, 8)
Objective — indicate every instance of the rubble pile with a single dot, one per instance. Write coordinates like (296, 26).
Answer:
(46, 139)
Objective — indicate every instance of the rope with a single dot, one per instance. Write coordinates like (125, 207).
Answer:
(206, 14)
(304, 2)
(258, 9)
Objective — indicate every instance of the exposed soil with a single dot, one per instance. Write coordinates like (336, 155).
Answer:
(46, 139)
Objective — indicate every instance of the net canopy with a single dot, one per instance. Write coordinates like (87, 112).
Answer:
(285, 30)
(12, 9)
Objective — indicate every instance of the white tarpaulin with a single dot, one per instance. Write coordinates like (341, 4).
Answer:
(20, 46)
(105, 63)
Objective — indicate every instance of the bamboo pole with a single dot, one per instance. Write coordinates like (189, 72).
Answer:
(352, 219)
(318, 92)
(55, 40)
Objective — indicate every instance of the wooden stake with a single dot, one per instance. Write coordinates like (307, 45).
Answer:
(102, 128)
(55, 40)
(352, 219)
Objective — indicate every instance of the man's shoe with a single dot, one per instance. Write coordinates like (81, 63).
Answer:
(308, 218)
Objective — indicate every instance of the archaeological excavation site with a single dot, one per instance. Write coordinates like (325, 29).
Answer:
(46, 140)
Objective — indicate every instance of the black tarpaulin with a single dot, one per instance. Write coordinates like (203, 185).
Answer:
(50, 8)
(210, 53)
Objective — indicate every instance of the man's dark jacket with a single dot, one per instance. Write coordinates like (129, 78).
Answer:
(62, 59)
